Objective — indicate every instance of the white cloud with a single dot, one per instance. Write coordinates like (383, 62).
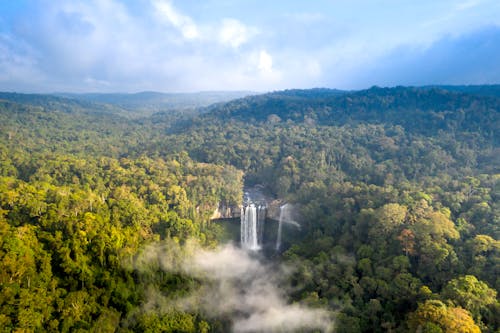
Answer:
(265, 62)
(234, 33)
(468, 4)
(93, 82)
(182, 22)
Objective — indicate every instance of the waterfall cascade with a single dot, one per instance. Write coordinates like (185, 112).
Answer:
(253, 216)
(254, 212)
(286, 216)
(280, 226)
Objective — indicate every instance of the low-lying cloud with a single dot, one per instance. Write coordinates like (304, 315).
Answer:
(237, 286)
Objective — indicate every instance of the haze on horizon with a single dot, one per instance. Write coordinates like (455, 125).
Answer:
(184, 46)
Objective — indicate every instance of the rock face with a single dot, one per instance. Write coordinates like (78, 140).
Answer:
(257, 196)
(224, 211)
(273, 209)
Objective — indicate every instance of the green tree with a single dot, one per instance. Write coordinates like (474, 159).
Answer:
(435, 316)
(471, 294)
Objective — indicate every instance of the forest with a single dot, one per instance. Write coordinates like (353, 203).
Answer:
(397, 190)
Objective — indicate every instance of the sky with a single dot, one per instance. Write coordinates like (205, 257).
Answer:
(250, 45)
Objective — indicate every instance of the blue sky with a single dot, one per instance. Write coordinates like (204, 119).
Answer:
(192, 45)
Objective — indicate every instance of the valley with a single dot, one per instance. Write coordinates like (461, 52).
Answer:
(349, 211)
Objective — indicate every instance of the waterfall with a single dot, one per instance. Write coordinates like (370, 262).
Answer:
(280, 227)
(261, 218)
(286, 216)
(252, 226)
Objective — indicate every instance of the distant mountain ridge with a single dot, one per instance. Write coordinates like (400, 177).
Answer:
(151, 101)
(140, 104)
(318, 104)
(60, 103)
(425, 110)
(488, 90)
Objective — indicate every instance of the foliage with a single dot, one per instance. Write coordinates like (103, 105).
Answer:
(398, 191)
(435, 316)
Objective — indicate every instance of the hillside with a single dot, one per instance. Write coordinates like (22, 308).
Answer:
(420, 132)
(416, 109)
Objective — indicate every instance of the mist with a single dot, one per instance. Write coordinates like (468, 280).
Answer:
(236, 285)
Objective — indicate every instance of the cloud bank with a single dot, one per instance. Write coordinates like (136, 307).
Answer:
(238, 286)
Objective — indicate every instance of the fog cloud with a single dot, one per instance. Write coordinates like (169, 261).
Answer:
(238, 285)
